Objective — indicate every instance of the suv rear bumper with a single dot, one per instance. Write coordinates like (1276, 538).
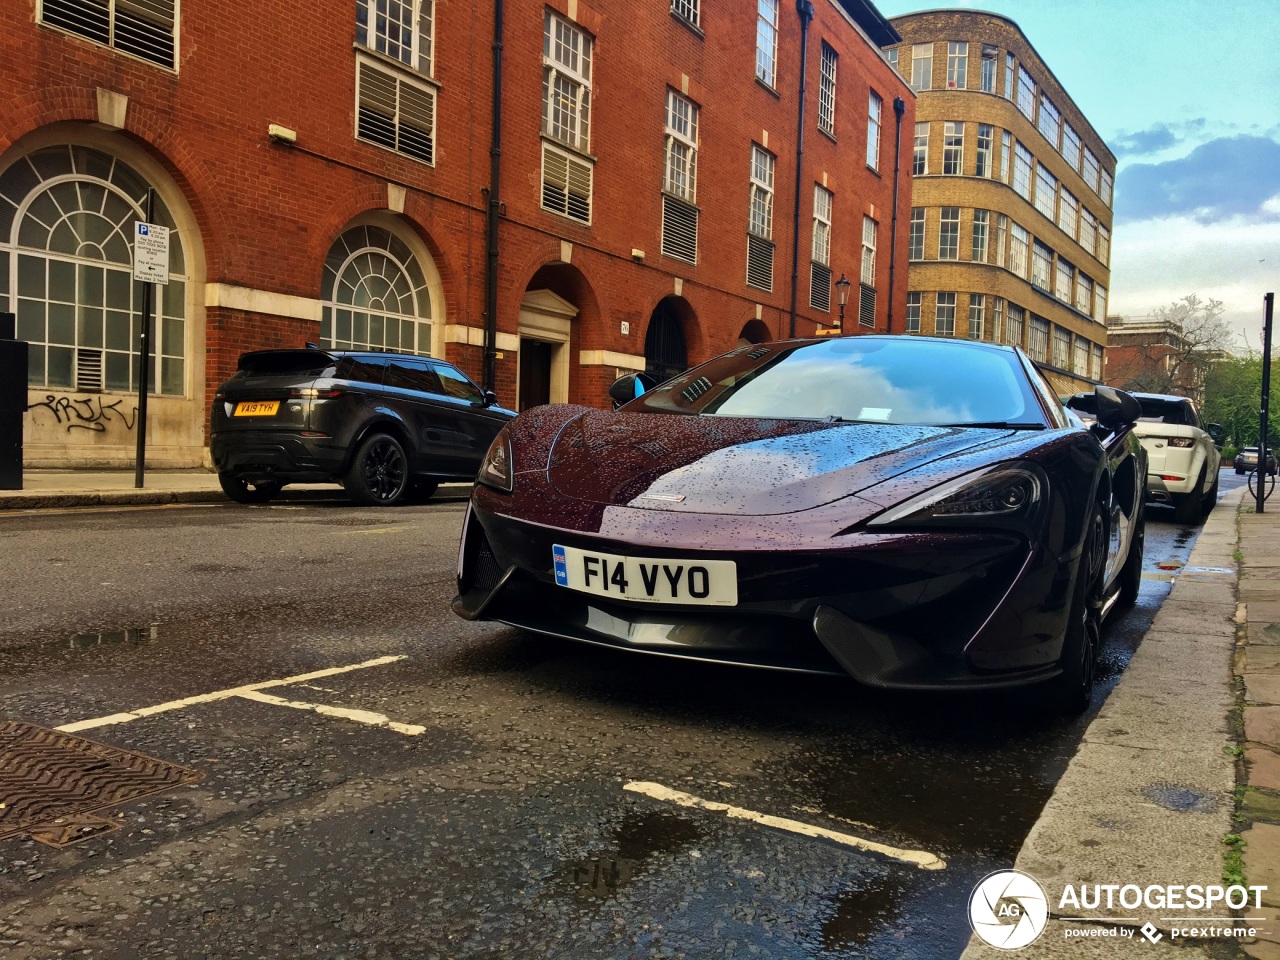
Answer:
(286, 457)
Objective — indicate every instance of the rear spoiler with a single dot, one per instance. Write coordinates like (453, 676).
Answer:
(299, 356)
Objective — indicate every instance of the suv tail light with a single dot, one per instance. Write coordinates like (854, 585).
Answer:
(311, 393)
(1181, 442)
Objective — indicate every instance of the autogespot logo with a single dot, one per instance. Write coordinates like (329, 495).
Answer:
(1008, 909)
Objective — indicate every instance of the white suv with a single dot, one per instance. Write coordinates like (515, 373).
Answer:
(1182, 454)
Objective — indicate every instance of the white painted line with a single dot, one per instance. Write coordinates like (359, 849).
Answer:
(115, 718)
(920, 858)
(359, 716)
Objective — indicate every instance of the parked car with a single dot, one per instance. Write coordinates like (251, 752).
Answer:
(1183, 453)
(382, 424)
(916, 513)
(1247, 461)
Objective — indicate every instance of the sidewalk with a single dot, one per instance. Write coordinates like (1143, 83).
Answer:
(1150, 797)
(49, 489)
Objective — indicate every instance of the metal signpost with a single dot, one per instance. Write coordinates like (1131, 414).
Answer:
(1269, 304)
(150, 266)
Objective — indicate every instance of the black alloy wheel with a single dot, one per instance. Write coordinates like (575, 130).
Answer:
(379, 473)
(1072, 690)
(247, 491)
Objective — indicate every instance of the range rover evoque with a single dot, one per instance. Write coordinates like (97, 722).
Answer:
(384, 425)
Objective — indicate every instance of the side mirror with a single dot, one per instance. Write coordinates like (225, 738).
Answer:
(1116, 409)
(1217, 432)
(490, 398)
(626, 389)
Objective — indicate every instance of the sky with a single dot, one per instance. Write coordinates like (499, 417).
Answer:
(1186, 93)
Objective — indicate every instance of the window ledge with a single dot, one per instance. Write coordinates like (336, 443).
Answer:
(764, 84)
(398, 65)
(830, 135)
(688, 25)
(561, 145)
(875, 171)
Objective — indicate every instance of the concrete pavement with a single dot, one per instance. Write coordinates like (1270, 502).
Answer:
(1177, 779)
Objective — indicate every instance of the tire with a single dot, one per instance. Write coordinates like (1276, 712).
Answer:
(1239, 471)
(1189, 507)
(1210, 500)
(1071, 691)
(379, 472)
(245, 491)
(1131, 572)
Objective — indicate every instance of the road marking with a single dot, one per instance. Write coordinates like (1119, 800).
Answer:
(116, 718)
(920, 858)
(359, 716)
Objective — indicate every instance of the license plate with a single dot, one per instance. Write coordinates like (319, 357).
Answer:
(257, 408)
(646, 579)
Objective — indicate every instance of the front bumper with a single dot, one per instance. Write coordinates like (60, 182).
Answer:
(893, 610)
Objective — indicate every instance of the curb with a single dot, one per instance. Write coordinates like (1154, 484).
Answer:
(1150, 792)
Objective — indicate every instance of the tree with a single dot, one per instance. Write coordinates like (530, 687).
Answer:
(1169, 351)
(1233, 398)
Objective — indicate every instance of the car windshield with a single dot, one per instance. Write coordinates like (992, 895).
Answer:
(1173, 412)
(898, 380)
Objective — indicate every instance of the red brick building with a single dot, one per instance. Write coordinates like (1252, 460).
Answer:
(325, 168)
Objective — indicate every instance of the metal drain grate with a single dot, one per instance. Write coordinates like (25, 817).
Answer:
(48, 779)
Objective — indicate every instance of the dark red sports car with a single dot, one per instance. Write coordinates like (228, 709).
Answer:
(918, 513)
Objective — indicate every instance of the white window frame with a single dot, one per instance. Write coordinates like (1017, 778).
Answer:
(1100, 303)
(941, 304)
(920, 154)
(1071, 146)
(760, 208)
(957, 64)
(913, 311)
(990, 55)
(1046, 192)
(1022, 164)
(823, 201)
(1015, 330)
(135, 40)
(767, 42)
(921, 66)
(1041, 266)
(868, 252)
(977, 315)
(680, 146)
(689, 11)
(1049, 122)
(1068, 213)
(827, 90)
(1088, 231)
(377, 31)
(1064, 277)
(981, 235)
(562, 36)
(874, 106)
(1019, 250)
(1010, 74)
(1084, 294)
(949, 233)
(1090, 171)
(1026, 94)
(953, 148)
(389, 107)
(916, 234)
(984, 165)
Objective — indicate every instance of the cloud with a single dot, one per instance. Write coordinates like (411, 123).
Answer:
(1229, 176)
(1235, 260)
(1159, 137)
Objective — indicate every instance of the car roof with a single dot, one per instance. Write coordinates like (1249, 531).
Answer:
(336, 354)
(1167, 397)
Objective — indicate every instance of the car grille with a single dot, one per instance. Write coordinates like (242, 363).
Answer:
(488, 570)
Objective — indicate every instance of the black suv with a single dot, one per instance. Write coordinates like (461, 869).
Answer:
(382, 424)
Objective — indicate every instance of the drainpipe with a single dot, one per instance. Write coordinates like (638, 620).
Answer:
(805, 9)
(899, 108)
(493, 211)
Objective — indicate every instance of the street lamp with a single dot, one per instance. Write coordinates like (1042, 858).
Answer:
(842, 292)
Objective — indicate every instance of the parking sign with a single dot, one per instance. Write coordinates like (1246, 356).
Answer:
(150, 253)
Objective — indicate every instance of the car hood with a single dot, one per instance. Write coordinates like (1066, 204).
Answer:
(745, 466)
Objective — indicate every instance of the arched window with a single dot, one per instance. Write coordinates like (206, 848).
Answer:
(664, 346)
(66, 270)
(375, 295)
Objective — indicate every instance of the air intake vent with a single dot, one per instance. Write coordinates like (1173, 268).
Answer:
(758, 352)
(820, 287)
(759, 262)
(867, 306)
(696, 389)
(679, 230)
(88, 369)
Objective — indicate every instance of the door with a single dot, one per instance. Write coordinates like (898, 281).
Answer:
(535, 372)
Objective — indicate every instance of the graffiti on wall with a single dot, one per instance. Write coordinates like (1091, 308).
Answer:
(88, 413)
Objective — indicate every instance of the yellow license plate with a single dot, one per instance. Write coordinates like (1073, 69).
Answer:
(257, 408)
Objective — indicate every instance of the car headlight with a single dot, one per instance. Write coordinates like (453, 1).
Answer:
(1003, 495)
(495, 468)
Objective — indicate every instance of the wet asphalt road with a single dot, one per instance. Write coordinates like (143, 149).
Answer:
(503, 827)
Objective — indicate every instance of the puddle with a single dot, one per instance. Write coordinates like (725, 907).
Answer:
(637, 838)
(1180, 799)
(862, 914)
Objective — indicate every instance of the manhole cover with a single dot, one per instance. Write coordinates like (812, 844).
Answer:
(48, 778)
